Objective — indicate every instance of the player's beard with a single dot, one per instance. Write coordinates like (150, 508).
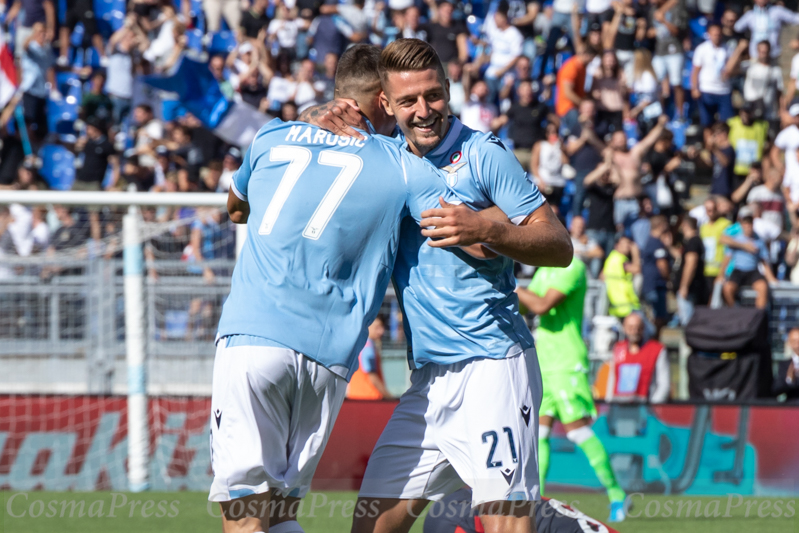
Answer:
(425, 139)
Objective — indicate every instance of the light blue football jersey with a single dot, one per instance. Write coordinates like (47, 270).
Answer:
(322, 238)
(457, 307)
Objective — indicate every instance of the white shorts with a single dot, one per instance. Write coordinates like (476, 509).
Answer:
(669, 66)
(272, 411)
(473, 423)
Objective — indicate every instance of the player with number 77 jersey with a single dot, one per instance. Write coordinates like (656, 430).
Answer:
(323, 216)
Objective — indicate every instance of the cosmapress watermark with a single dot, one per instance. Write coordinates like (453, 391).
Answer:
(33, 505)
(643, 506)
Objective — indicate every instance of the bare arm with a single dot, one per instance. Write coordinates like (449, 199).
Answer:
(651, 138)
(538, 305)
(49, 19)
(463, 48)
(661, 385)
(570, 94)
(378, 384)
(609, 38)
(540, 240)
(238, 209)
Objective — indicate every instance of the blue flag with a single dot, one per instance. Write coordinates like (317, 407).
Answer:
(197, 90)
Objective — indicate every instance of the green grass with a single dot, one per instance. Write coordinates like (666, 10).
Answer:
(189, 512)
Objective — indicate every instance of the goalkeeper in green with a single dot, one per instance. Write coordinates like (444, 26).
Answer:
(557, 296)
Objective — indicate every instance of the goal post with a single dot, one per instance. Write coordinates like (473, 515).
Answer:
(134, 234)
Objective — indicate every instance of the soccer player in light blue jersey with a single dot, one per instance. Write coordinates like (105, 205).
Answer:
(323, 215)
(471, 413)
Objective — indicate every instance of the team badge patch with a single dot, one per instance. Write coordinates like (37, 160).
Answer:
(454, 158)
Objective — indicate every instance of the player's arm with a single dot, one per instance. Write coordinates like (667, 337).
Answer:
(538, 305)
(237, 205)
(238, 209)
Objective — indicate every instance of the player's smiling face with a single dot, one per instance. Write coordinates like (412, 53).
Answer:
(419, 101)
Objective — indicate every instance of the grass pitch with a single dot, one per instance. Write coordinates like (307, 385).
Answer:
(329, 512)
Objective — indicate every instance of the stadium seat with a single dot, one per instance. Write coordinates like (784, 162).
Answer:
(76, 39)
(92, 57)
(62, 114)
(58, 166)
(222, 43)
(67, 83)
(195, 39)
(110, 15)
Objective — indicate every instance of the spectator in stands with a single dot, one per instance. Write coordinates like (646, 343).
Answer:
(95, 103)
(254, 20)
(547, 166)
(784, 155)
(711, 232)
(447, 36)
(217, 67)
(37, 72)
(284, 29)
(185, 153)
(119, 85)
(710, 86)
(600, 185)
(367, 382)
(763, 85)
(80, 12)
(584, 149)
(640, 368)
(327, 81)
(627, 17)
(746, 253)
(132, 172)
(609, 90)
(214, 11)
(525, 119)
(478, 112)
(586, 248)
(627, 164)
(149, 131)
(662, 162)
(412, 28)
(644, 90)
(720, 156)
(94, 151)
(765, 22)
(621, 265)
(506, 44)
(765, 193)
(571, 86)
(326, 37)
(656, 269)
(790, 93)
(692, 289)
(457, 87)
(521, 73)
(33, 12)
(670, 22)
(161, 50)
(787, 379)
(288, 112)
(747, 137)
(523, 15)
(230, 164)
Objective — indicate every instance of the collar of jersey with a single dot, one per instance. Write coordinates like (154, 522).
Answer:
(455, 127)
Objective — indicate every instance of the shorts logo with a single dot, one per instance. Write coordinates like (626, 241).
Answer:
(525, 414)
(507, 473)
(218, 417)
(454, 158)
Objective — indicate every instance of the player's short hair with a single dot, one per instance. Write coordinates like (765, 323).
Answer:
(356, 73)
(405, 55)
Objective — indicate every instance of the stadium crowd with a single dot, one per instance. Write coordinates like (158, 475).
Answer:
(662, 131)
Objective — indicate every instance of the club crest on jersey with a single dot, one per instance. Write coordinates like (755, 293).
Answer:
(454, 158)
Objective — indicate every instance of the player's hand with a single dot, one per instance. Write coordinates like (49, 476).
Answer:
(338, 117)
(453, 225)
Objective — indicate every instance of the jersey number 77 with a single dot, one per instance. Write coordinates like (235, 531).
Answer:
(299, 158)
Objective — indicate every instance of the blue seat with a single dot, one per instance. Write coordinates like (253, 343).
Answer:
(58, 166)
(76, 39)
(194, 39)
(67, 82)
(92, 57)
(62, 114)
(222, 43)
(110, 15)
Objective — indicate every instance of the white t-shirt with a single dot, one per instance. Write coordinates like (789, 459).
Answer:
(285, 31)
(597, 6)
(478, 116)
(795, 67)
(773, 203)
(763, 82)
(712, 61)
(646, 87)
(788, 141)
(506, 45)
